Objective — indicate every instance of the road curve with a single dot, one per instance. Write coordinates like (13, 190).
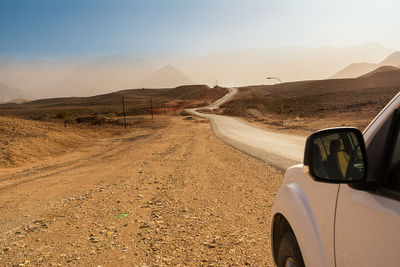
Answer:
(277, 149)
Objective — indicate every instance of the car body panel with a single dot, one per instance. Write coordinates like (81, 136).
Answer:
(367, 229)
(307, 214)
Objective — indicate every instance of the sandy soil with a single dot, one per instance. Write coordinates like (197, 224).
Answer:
(306, 125)
(173, 196)
(27, 141)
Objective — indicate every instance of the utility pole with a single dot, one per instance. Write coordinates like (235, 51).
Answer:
(164, 105)
(151, 107)
(123, 108)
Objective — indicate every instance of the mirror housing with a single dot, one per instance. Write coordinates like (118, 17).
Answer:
(336, 155)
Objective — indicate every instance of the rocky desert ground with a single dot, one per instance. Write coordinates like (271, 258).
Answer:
(158, 194)
(80, 189)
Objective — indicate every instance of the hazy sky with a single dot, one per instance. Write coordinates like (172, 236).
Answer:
(52, 28)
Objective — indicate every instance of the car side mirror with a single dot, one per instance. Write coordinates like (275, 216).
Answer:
(336, 155)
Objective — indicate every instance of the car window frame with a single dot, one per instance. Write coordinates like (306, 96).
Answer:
(394, 134)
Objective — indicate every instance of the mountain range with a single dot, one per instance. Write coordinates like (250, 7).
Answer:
(85, 76)
(44, 79)
(165, 77)
(252, 66)
(357, 69)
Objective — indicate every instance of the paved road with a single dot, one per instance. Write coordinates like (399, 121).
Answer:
(222, 100)
(277, 149)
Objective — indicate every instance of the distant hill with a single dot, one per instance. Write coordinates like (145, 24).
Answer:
(393, 60)
(358, 69)
(187, 92)
(367, 94)
(380, 70)
(11, 94)
(355, 70)
(166, 77)
(137, 101)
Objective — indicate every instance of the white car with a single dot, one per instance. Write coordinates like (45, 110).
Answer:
(341, 207)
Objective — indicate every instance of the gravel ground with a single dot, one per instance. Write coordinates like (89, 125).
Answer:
(175, 196)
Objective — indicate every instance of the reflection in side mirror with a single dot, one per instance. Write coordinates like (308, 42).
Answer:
(336, 155)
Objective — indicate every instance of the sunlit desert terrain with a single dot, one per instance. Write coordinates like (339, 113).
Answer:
(165, 194)
(78, 188)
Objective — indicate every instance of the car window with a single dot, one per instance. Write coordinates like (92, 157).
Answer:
(393, 179)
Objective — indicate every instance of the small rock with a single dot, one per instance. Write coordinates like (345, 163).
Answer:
(144, 225)
(94, 239)
(209, 245)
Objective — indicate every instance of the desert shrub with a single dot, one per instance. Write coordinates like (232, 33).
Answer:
(111, 115)
(197, 105)
(94, 120)
(80, 120)
(62, 115)
(234, 111)
(185, 113)
(39, 117)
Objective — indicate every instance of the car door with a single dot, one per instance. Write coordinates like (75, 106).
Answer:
(367, 224)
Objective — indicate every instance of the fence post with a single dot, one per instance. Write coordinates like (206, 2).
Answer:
(164, 105)
(151, 107)
(123, 108)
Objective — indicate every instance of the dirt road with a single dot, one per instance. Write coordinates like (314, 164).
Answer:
(172, 196)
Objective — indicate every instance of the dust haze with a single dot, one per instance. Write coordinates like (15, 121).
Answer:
(91, 75)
